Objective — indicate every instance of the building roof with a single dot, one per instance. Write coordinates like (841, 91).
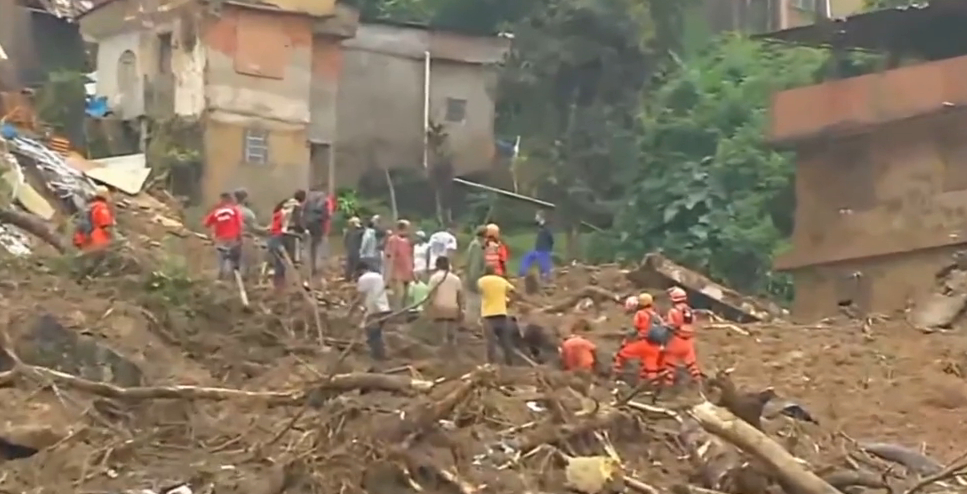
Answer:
(64, 9)
(931, 29)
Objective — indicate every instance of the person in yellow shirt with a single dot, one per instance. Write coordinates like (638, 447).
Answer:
(498, 327)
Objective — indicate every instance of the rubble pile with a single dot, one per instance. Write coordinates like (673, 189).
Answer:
(112, 388)
(142, 374)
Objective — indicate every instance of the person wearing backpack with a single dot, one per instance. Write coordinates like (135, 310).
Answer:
(681, 345)
(94, 225)
(645, 344)
(317, 216)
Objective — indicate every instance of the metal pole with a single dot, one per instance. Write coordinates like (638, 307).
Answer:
(426, 110)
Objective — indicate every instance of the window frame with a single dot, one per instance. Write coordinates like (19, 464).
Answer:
(255, 146)
(449, 105)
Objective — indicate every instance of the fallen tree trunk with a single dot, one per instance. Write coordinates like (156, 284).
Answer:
(790, 473)
(592, 292)
(910, 458)
(35, 226)
(339, 383)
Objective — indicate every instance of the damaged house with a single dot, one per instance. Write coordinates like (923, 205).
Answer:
(243, 72)
(275, 87)
(881, 162)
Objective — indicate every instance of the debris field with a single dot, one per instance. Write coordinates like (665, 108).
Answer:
(134, 372)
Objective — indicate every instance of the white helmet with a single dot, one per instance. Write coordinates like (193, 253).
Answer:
(631, 303)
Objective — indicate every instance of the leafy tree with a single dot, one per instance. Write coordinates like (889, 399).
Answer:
(709, 191)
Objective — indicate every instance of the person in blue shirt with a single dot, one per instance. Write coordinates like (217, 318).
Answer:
(541, 255)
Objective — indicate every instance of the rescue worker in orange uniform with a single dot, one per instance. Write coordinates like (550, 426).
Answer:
(640, 347)
(681, 347)
(495, 251)
(94, 227)
(577, 352)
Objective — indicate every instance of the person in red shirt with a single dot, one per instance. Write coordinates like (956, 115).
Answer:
(399, 263)
(681, 347)
(227, 225)
(639, 346)
(95, 225)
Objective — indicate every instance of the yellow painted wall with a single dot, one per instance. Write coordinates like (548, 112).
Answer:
(287, 171)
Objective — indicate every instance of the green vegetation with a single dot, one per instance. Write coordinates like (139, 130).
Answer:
(633, 117)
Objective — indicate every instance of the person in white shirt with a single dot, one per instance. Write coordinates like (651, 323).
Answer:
(421, 256)
(372, 287)
(443, 243)
(446, 303)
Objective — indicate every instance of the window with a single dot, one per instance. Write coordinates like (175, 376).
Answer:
(807, 5)
(256, 146)
(456, 110)
(164, 53)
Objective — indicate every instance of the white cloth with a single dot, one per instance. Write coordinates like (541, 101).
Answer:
(440, 244)
(420, 262)
(373, 288)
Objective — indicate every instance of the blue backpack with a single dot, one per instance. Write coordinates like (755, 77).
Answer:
(658, 333)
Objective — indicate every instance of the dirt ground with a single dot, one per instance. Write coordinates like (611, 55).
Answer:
(475, 430)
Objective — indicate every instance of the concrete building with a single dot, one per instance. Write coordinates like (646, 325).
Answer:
(384, 88)
(759, 16)
(37, 38)
(881, 163)
(244, 71)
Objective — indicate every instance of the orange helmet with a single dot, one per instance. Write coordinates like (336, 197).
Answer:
(677, 294)
(645, 300)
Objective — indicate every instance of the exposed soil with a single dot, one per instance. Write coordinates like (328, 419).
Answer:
(874, 380)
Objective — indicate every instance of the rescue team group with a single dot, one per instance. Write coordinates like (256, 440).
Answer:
(392, 272)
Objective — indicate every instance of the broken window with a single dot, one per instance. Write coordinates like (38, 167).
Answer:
(164, 53)
(456, 110)
(256, 146)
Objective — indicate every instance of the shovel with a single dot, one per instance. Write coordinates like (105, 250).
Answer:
(241, 287)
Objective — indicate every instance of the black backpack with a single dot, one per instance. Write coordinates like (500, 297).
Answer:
(82, 221)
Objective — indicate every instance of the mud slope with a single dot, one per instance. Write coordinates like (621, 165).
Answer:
(431, 421)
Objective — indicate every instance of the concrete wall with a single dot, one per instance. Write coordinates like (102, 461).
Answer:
(120, 73)
(380, 111)
(258, 76)
(259, 64)
(16, 37)
(287, 170)
(327, 65)
(890, 205)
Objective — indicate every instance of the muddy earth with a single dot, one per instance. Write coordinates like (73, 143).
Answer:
(138, 371)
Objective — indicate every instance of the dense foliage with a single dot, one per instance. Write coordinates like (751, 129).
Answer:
(709, 191)
(633, 116)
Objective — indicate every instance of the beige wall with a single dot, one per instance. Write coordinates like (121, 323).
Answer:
(225, 170)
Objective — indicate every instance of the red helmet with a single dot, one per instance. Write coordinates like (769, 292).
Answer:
(677, 294)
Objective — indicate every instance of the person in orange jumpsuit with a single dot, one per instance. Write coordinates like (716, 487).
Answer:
(681, 347)
(639, 347)
(577, 352)
(495, 251)
(95, 226)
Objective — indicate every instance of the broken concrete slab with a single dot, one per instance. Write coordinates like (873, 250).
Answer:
(942, 307)
(657, 270)
(49, 344)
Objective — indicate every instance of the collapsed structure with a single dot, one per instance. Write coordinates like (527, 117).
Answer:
(881, 162)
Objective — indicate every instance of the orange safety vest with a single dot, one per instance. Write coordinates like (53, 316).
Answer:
(682, 321)
(492, 256)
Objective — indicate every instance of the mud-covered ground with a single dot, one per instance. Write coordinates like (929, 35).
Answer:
(875, 380)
